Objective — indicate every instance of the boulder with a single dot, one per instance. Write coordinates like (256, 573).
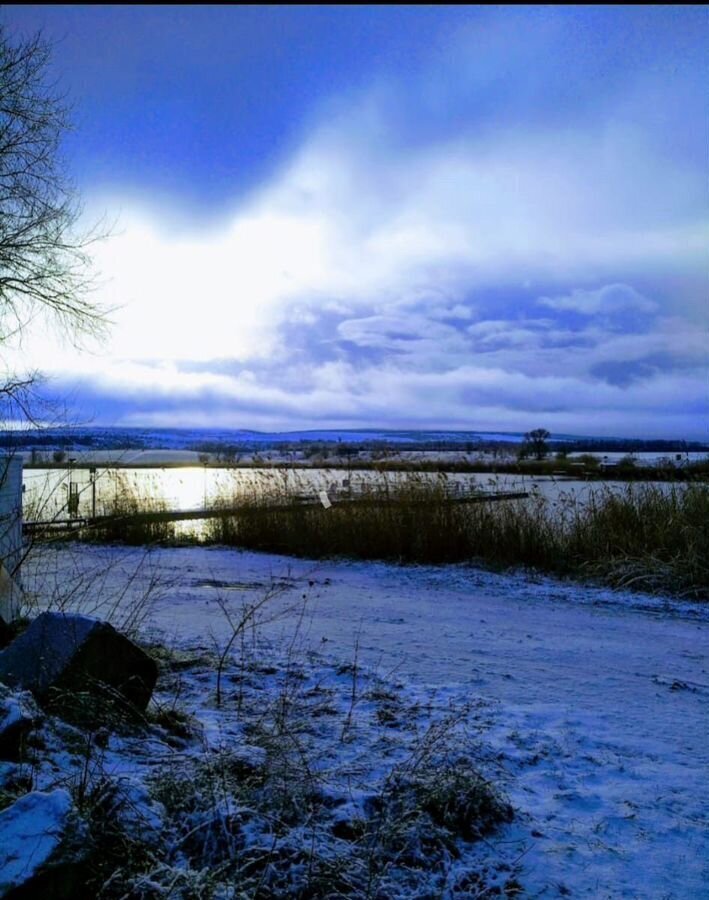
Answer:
(18, 714)
(62, 652)
(42, 845)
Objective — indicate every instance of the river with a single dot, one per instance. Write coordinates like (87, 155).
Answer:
(47, 491)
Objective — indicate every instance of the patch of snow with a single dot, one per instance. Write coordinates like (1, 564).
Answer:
(31, 831)
(16, 707)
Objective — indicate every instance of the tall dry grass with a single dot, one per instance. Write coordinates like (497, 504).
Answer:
(643, 536)
(647, 537)
(126, 521)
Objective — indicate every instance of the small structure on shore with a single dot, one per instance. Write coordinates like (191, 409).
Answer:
(10, 534)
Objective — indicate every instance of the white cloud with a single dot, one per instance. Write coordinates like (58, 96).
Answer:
(466, 396)
(612, 298)
(344, 228)
(412, 334)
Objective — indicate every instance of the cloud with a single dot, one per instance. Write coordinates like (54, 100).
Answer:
(401, 371)
(426, 234)
(398, 270)
(607, 300)
(465, 396)
(414, 335)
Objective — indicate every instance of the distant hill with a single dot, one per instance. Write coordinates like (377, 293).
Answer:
(208, 439)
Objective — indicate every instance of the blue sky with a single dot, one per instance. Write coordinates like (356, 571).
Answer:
(487, 218)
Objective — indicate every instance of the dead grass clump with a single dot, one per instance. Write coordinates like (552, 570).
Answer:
(94, 705)
(294, 804)
(114, 848)
(647, 538)
(420, 818)
(460, 800)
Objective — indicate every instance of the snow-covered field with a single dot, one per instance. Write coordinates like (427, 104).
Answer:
(595, 704)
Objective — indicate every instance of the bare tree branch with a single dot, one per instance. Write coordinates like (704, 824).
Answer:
(45, 263)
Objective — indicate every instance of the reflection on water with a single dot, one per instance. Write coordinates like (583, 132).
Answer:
(47, 491)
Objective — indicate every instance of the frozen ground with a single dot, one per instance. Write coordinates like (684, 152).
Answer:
(596, 703)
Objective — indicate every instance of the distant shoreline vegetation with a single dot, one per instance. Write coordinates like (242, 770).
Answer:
(672, 466)
(345, 440)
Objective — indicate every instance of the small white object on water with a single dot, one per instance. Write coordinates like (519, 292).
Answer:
(324, 499)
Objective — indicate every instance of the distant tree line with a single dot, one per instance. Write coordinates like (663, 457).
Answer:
(630, 445)
(67, 439)
(536, 441)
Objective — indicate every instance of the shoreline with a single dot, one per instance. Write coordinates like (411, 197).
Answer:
(546, 470)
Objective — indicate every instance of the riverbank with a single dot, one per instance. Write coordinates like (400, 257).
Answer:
(592, 705)
(650, 537)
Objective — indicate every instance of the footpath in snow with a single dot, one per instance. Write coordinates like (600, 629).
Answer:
(597, 702)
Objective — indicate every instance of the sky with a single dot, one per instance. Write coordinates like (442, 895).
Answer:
(477, 218)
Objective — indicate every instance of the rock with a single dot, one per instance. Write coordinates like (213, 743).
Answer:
(18, 714)
(61, 652)
(42, 846)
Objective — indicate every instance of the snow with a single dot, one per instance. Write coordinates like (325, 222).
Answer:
(591, 707)
(31, 831)
(15, 707)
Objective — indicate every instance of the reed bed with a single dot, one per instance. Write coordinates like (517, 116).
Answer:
(642, 536)
(646, 537)
(126, 525)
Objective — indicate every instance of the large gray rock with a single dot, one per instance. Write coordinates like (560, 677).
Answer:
(62, 652)
(42, 845)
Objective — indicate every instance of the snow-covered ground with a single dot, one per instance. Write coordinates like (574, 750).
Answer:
(596, 703)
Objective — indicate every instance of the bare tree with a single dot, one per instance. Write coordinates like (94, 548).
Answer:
(536, 442)
(45, 268)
